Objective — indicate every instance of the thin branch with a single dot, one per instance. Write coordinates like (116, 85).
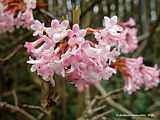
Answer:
(5, 105)
(11, 54)
(98, 108)
(110, 93)
(154, 28)
(21, 89)
(47, 13)
(35, 108)
(140, 49)
(50, 5)
(111, 102)
(15, 97)
(102, 114)
(40, 116)
(93, 101)
(117, 105)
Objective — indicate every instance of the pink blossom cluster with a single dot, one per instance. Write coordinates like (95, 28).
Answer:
(16, 13)
(122, 35)
(136, 74)
(66, 52)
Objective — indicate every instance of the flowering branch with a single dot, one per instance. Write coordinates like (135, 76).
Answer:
(67, 53)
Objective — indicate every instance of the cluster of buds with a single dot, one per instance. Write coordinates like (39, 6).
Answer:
(66, 52)
(16, 13)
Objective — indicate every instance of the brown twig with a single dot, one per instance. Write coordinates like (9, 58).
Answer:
(110, 93)
(98, 108)
(5, 105)
(33, 107)
(116, 105)
(11, 54)
(47, 13)
(21, 89)
(40, 116)
(111, 102)
(15, 97)
(102, 114)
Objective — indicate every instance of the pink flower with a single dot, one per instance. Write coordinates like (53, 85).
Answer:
(38, 28)
(136, 75)
(130, 40)
(31, 45)
(111, 25)
(27, 18)
(111, 33)
(76, 36)
(59, 26)
(15, 14)
(122, 35)
(67, 53)
(58, 30)
(132, 75)
(42, 67)
(89, 67)
(79, 83)
(30, 4)
(83, 76)
(151, 76)
(45, 56)
(6, 23)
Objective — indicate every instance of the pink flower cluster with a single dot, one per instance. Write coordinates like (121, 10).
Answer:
(16, 13)
(66, 52)
(122, 35)
(137, 75)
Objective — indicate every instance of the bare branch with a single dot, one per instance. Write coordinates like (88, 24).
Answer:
(15, 97)
(11, 54)
(50, 5)
(102, 114)
(47, 13)
(117, 105)
(40, 116)
(111, 93)
(5, 105)
(20, 89)
(98, 108)
(35, 108)
(111, 102)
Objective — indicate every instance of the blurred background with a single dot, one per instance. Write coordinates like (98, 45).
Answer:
(20, 87)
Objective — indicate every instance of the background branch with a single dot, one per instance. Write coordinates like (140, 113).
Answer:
(4, 105)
